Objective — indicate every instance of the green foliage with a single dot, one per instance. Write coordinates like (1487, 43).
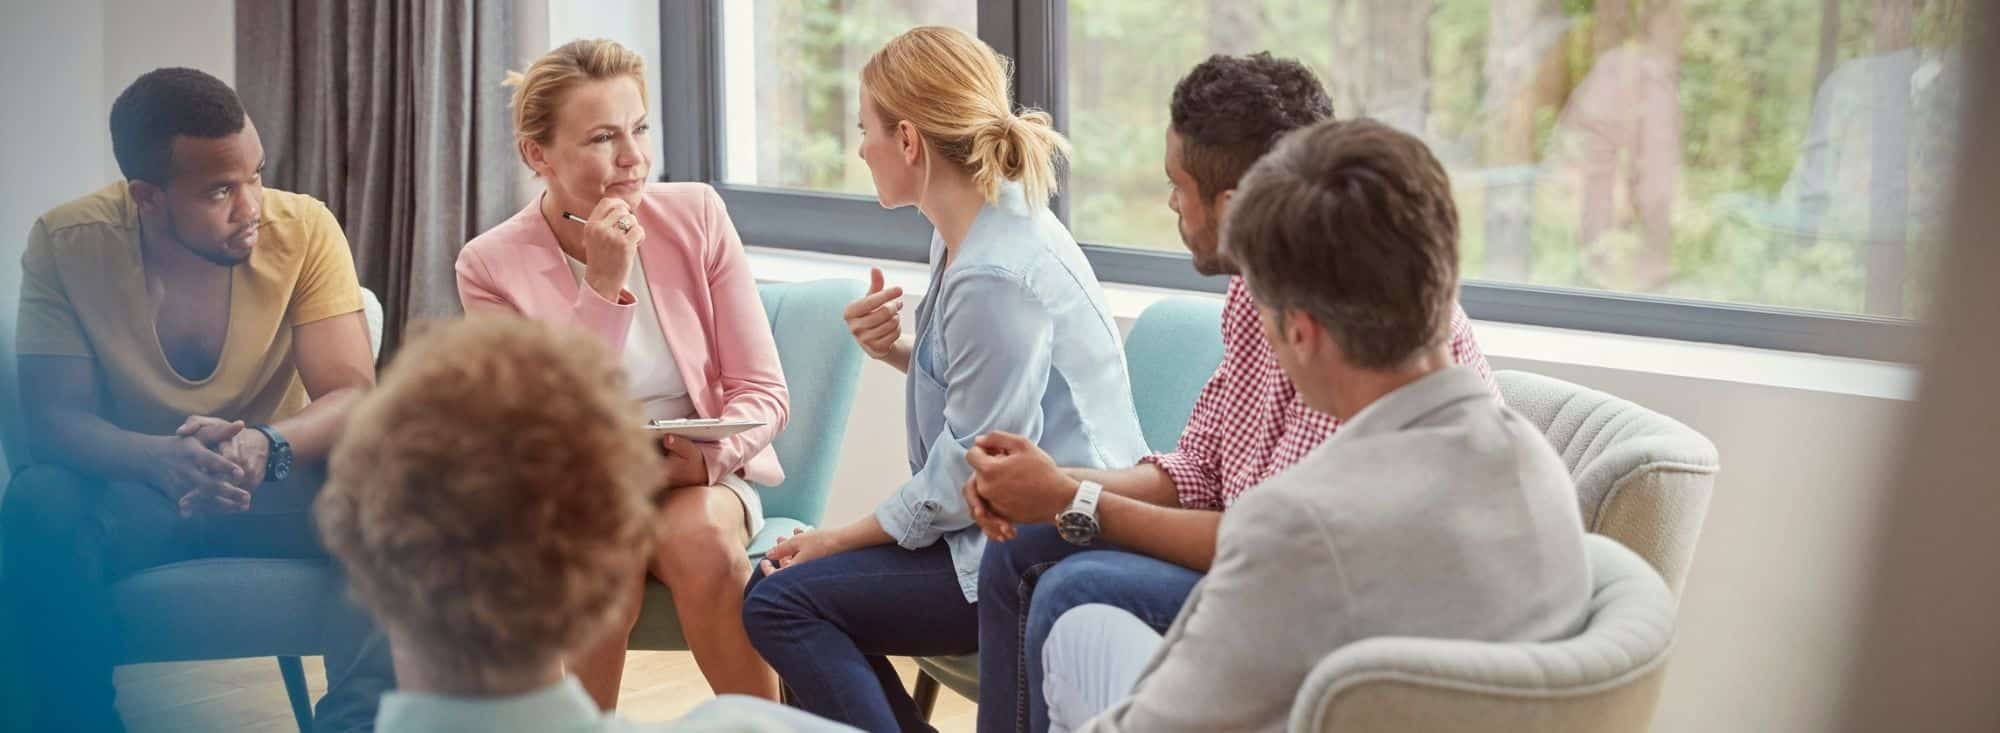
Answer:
(1746, 76)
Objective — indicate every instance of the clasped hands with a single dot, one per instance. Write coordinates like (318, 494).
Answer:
(212, 465)
(1014, 482)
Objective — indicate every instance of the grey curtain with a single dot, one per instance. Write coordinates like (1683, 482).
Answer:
(392, 112)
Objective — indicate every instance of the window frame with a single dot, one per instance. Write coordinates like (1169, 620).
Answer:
(1034, 34)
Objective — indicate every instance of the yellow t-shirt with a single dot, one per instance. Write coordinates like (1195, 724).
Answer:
(83, 293)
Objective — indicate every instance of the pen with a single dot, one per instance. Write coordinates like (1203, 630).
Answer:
(574, 218)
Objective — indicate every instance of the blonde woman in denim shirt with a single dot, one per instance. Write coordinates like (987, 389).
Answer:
(1013, 336)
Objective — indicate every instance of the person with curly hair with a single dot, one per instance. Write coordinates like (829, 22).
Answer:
(491, 501)
(1158, 520)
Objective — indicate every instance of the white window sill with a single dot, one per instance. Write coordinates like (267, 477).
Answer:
(1790, 370)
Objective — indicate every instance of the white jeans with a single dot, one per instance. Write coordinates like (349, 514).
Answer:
(1092, 660)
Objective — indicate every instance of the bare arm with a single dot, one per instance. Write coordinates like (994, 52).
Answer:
(337, 365)
(1184, 537)
(808, 545)
(899, 355)
(1015, 482)
(1146, 482)
(60, 398)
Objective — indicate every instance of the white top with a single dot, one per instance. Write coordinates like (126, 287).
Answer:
(652, 376)
(565, 708)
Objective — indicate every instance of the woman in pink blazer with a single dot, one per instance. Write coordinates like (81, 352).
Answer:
(657, 272)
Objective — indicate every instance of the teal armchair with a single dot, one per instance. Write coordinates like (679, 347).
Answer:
(822, 365)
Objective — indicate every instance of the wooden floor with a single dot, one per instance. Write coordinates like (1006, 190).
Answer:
(247, 695)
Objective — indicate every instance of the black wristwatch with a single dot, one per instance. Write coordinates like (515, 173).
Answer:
(278, 464)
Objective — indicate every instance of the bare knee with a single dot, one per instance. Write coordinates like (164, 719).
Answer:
(701, 555)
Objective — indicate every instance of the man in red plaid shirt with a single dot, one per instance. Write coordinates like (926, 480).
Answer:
(1139, 538)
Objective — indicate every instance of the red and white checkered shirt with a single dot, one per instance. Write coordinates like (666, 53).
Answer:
(1249, 423)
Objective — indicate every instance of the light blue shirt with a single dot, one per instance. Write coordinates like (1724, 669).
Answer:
(1015, 336)
(564, 707)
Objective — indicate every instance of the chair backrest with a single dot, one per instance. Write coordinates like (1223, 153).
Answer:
(1642, 478)
(821, 365)
(1171, 352)
(371, 310)
(1605, 678)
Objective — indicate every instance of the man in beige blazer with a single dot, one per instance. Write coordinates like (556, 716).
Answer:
(1435, 512)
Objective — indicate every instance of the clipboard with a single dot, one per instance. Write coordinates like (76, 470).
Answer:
(701, 430)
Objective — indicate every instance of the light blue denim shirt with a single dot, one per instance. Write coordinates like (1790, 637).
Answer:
(1014, 335)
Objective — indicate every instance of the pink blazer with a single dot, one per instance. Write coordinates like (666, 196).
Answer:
(701, 287)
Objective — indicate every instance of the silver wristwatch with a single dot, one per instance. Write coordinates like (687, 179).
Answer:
(1078, 524)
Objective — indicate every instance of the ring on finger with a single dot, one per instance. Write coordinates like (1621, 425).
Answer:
(625, 224)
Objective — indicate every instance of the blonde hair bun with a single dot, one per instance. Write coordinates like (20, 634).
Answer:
(954, 89)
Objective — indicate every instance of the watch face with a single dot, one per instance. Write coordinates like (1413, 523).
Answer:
(279, 465)
(1076, 528)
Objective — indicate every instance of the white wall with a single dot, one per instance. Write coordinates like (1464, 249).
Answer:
(64, 62)
(1774, 598)
(634, 24)
(1774, 601)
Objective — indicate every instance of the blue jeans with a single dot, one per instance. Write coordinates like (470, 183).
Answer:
(829, 625)
(1039, 573)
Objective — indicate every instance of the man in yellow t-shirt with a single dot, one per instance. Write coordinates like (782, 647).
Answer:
(189, 344)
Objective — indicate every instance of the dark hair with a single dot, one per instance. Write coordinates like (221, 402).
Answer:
(1352, 223)
(1230, 110)
(162, 105)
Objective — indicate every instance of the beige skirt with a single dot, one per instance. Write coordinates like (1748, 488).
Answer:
(753, 505)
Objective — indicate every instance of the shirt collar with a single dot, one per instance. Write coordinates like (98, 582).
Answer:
(563, 706)
(1414, 401)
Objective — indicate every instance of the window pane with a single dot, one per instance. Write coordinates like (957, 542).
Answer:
(791, 84)
(1780, 152)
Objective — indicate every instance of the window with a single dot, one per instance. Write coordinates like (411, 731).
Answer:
(1788, 153)
(791, 84)
(1769, 174)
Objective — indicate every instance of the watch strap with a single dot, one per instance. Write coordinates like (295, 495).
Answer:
(1085, 502)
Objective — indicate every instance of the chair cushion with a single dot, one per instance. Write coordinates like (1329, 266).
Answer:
(224, 608)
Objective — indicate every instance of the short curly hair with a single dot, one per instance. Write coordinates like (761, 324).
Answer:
(164, 104)
(493, 497)
(1230, 110)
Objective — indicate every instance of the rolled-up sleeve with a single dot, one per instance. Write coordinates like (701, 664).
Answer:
(995, 339)
(1195, 465)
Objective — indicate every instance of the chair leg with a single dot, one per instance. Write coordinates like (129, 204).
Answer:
(295, 688)
(926, 694)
